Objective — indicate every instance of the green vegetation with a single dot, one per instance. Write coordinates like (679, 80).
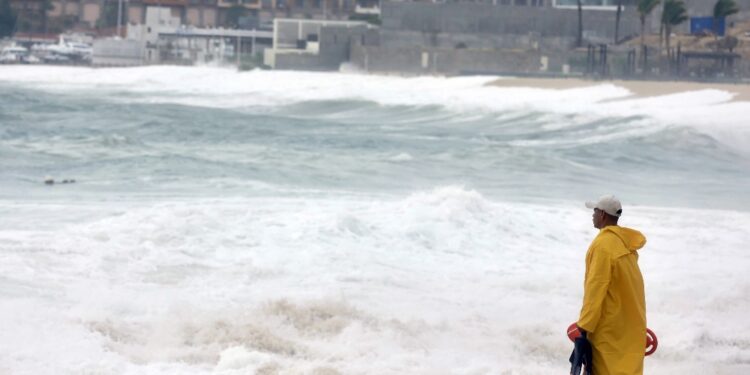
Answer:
(372, 19)
(674, 13)
(645, 7)
(723, 9)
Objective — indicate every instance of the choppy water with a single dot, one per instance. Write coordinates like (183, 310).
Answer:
(281, 222)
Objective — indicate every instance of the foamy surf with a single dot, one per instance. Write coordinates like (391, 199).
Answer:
(710, 111)
(307, 223)
(443, 281)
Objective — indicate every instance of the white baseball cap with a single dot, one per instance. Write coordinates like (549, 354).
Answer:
(607, 203)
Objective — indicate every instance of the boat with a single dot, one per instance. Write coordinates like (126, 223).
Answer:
(15, 54)
(72, 49)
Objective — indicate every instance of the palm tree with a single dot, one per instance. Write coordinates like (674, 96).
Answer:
(674, 13)
(617, 21)
(722, 9)
(645, 7)
(579, 37)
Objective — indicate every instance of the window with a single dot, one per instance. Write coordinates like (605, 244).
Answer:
(596, 3)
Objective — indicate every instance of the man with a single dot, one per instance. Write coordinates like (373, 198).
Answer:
(613, 316)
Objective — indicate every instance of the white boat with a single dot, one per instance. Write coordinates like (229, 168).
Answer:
(71, 48)
(14, 55)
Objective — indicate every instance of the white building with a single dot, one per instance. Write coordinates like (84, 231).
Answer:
(162, 39)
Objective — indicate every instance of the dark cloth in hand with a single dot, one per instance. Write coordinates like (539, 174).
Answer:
(581, 356)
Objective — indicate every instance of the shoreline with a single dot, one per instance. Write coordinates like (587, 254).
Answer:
(638, 89)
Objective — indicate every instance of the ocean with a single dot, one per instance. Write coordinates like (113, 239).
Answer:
(272, 222)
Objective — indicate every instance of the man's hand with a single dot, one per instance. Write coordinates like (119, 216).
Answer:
(581, 356)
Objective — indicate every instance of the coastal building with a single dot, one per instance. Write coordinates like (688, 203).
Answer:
(60, 15)
(513, 37)
(162, 38)
(417, 37)
(30, 15)
(322, 45)
(590, 4)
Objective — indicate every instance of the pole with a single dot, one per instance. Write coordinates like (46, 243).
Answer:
(252, 46)
(119, 18)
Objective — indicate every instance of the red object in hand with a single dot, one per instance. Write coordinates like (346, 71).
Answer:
(573, 332)
(652, 342)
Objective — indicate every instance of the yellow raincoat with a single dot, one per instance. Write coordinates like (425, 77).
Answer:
(614, 303)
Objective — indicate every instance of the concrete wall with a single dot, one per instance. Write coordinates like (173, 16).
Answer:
(288, 33)
(333, 46)
(530, 41)
(136, 14)
(487, 19)
(117, 52)
(292, 60)
(336, 41)
(444, 61)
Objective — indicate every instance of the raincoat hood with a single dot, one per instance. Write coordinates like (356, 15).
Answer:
(633, 239)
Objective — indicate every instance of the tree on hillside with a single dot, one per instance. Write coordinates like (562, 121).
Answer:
(674, 13)
(723, 9)
(579, 37)
(617, 21)
(645, 7)
(7, 19)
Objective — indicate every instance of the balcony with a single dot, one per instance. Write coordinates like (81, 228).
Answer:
(250, 4)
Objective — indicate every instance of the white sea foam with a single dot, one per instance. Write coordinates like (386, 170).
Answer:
(294, 279)
(709, 111)
(402, 157)
(444, 281)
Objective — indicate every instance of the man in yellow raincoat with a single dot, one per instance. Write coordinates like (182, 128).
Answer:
(614, 303)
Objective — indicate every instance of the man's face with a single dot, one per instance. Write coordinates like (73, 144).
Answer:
(598, 218)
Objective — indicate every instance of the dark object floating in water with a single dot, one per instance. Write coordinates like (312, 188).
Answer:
(51, 181)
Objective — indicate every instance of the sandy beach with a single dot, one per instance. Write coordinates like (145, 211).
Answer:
(640, 89)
